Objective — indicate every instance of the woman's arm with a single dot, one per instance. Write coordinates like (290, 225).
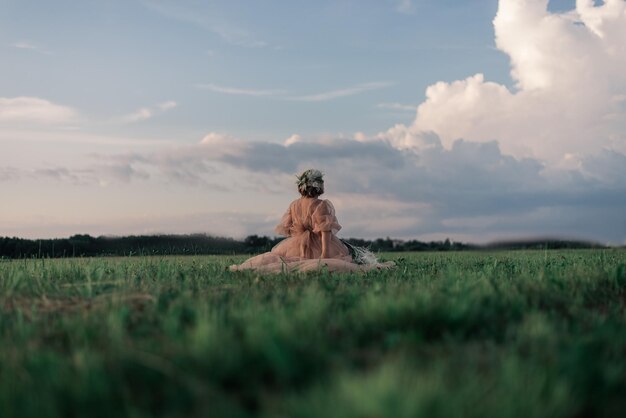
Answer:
(325, 243)
(284, 227)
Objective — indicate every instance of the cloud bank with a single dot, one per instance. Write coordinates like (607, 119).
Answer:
(146, 113)
(471, 190)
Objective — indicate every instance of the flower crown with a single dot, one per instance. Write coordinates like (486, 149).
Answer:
(310, 178)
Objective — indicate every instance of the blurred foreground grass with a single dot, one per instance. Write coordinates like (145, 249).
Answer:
(509, 334)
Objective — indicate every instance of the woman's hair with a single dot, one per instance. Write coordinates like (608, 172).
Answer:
(311, 183)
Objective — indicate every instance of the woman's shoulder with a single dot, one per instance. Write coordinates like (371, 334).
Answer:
(324, 205)
(296, 205)
(294, 202)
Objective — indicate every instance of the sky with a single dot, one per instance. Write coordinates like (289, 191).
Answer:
(475, 120)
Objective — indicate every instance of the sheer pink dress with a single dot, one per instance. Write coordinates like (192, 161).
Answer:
(303, 224)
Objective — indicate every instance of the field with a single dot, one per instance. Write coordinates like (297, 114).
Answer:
(469, 334)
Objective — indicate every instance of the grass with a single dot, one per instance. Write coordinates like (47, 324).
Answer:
(508, 334)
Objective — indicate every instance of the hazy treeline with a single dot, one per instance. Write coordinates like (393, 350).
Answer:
(199, 244)
(87, 246)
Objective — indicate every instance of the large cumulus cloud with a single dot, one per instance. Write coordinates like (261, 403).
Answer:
(569, 97)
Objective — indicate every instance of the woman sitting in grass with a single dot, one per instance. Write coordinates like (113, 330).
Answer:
(310, 226)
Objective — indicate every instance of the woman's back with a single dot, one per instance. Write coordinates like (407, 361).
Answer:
(303, 224)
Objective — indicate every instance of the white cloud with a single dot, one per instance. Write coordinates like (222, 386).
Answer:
(566, 74)
(143, 113)
(293, 139)
(146, 113)
(283, 94)
(167, 105)
(24, 45)
(34, 110)
(343, 92)
(239, 91)
(27, 45)
(397, 106)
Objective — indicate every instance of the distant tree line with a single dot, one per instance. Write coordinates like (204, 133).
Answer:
(88, 246)
(391, 245)
(543, 244)
(201, 244)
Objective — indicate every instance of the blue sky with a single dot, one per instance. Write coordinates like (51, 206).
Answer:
(108, 58)
(173, 116)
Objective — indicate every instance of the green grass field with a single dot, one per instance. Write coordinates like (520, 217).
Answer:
(509, 334)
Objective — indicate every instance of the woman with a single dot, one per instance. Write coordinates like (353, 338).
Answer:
(310, 226)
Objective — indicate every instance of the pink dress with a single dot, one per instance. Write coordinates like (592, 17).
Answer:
(303, 224)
